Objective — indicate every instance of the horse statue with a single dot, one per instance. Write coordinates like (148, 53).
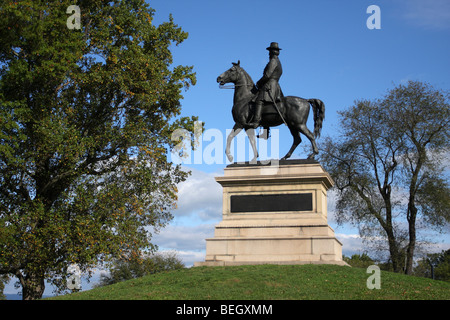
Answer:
(292, 111)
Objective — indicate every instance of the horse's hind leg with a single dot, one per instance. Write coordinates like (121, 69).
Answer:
(304, 129)
(252, 139)
(297, 141)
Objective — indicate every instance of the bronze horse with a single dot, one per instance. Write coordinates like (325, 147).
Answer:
(293, 111)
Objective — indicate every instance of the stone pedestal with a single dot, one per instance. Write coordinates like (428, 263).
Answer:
(274, 214)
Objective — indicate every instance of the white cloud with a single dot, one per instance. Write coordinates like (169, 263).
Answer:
(351, 244)
(433, 14)
(199, 208)
(200, 195)
(189, 257)
(184, 237)
(189, 242)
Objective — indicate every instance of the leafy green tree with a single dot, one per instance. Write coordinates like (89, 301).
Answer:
(3, 279)
(359, 260)
(126, 269)
(439, 262)
(388, 165)
(86, 117)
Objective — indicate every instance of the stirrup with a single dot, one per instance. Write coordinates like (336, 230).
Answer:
(266, 136)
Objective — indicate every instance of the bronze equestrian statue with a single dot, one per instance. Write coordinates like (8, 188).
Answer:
(266, 106)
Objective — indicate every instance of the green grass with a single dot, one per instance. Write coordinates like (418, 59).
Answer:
(267, 282)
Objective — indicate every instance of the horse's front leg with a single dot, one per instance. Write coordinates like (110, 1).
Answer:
(251, 137)
(233, 133)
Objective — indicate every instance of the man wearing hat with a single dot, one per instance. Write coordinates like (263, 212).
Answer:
(268, 88)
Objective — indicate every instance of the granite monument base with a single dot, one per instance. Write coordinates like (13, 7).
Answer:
(274, 214)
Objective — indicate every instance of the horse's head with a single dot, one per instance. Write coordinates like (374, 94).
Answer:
(231, 75)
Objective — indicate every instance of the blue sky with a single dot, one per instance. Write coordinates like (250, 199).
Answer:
(328, 53)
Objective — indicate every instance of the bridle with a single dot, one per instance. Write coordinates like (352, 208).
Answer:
(233, 86)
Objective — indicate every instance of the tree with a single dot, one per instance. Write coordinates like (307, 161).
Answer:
(126, 269)
(3, 279)
(435, 265)
(359, 261)
(388, 166)
(85, 123)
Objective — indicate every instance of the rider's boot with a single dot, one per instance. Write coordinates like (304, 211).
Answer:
(257, 115)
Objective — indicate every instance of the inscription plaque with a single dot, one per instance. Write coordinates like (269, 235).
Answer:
(271, 202)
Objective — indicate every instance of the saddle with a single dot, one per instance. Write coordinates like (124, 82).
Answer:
(269, 107)
(268, 111)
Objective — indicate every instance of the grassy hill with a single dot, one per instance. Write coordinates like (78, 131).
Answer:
(267, 282)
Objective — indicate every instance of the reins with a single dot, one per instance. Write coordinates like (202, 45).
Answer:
(233, 86)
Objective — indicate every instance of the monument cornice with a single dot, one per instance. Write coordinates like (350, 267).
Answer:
(283, 172)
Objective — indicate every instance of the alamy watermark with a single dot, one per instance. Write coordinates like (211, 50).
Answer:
(209, 146)
(74, 280)
(74, 21)
(374, 21)
(373, 281)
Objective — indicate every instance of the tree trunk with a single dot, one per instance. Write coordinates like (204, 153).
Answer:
(33, 286)
(412, 213)
(412, 209)
(396, 256)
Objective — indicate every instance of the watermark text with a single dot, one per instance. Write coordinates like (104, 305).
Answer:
(374, 281)
(374, 21)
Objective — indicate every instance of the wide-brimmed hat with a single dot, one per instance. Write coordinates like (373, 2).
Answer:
(273, 46)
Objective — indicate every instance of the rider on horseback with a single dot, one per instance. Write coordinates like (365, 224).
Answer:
(268, 87)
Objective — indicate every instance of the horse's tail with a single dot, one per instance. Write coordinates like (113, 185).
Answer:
(319, 115)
